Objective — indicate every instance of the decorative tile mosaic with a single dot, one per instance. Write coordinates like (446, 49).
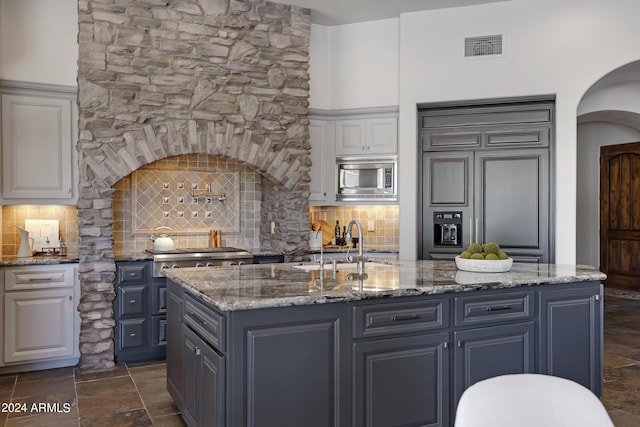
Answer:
(185, 201)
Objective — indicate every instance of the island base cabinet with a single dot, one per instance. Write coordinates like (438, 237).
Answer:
(571, 335)
(492, 351)
(289, 369)
(402, 381)
(203, 391)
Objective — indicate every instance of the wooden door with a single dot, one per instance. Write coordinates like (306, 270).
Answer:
(620, 215)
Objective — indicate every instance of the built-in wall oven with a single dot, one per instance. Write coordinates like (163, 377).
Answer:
(366, 179)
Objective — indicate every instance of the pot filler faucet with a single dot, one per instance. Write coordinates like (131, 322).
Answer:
(361, 258)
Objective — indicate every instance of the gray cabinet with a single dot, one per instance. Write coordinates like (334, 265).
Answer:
(491, 351)
(492, 165)
(140, 313)
(175, 375)
(268, 367)
(378, 362)
(503, 197)
(289, 367)
(204, 380)
(402, 381)
(570, 324)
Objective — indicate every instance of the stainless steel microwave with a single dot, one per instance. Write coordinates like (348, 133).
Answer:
(366, 179)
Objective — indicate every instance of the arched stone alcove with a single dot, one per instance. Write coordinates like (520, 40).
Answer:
(162, 78)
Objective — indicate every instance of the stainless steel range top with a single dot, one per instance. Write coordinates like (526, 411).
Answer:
(198, 257)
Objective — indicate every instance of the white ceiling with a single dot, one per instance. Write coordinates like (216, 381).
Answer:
(337, 12)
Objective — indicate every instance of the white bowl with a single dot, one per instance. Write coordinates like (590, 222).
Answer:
(483, 265)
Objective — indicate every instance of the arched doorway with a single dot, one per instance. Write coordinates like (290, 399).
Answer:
(608, 115)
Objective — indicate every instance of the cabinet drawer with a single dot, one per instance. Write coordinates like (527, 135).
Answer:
(158, 298)
(39, 277)
(131, 300)
(132, 334)
(159, 331)
(472, 310)
(400, 317)
(203, 320)
(136, 273)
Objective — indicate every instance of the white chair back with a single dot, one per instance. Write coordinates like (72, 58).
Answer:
(530, 400)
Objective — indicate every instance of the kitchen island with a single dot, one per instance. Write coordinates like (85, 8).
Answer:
(289, 345)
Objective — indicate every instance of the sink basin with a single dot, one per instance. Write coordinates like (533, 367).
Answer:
(341, 266)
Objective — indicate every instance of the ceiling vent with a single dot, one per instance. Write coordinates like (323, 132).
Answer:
(482, 46)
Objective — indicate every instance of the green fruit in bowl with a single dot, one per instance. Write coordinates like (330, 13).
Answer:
(475, 248)
(491, 248)
(477, 255)
(502, 255)
(465, 254)
(492, 257)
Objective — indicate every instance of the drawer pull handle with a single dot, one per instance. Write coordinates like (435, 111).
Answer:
(500, 308)
(132, 301)
(132, 335)
(405, 317)
(40, 279)
(197, 319)
(132, 274)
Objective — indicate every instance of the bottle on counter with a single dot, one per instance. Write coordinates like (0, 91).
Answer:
(337, 231)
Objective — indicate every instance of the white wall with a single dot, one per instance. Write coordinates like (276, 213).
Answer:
(592, 136)
(551, 47)
(39, 41)
(362, 65)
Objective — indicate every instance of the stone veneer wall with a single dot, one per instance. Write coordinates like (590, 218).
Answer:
(159, 78)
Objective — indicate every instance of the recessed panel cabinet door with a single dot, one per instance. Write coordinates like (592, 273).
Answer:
(571, 335)
(36, 147)
(38, 325)
(488, 352)
(512, 206)
(402, 381)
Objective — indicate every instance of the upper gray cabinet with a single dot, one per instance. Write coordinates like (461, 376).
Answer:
(39, 132)
(506, 126)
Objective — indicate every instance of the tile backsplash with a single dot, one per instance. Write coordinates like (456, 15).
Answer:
(385, 222)
(67, 217)
(141, 203)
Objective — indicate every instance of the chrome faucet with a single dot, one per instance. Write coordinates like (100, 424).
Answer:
(361, 258)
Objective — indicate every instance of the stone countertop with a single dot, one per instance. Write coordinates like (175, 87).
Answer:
(13, 261)
(279, 285)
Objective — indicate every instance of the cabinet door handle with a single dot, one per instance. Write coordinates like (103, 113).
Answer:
(404, 317)
(499, 308)
(197, 351)
(459, 344)
(197, 319)
(70, 298)
(445, 345)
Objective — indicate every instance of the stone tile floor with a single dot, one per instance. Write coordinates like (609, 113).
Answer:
(132, 395)
(135, 394)
(621, 394)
